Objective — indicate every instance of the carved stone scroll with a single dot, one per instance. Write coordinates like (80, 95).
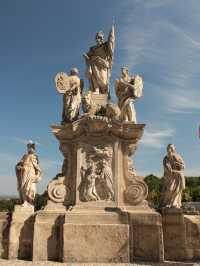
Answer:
(58, 192)
(136, 189)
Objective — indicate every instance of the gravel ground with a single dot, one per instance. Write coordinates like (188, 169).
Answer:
(49, 263)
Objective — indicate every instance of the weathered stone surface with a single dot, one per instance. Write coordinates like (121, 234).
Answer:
(173, 233)
(95, 237)
(4, 234)
(192, 226)
(47, 242)
(111, 181)
(181, 235)
(146, 236)
(21, 233)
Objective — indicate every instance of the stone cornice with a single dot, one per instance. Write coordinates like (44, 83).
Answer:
(98, 126)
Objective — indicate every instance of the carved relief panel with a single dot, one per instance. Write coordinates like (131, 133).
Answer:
(95, 171)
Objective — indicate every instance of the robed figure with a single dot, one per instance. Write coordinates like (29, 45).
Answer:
(71, 87)
(174, 180)
(99, 62)
(28, 173)
(128, 89)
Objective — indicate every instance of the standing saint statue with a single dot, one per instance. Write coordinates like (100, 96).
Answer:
(99, 62)
(28, 173)
(71, 88)
(174, 180)
(127, 90)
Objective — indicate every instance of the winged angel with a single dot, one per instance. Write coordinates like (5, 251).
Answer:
(127, 90)
(71, 87)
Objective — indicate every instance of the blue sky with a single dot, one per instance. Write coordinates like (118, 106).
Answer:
(157, 39)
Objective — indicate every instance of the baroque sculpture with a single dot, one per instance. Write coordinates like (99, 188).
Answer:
(174, 180)
(97, 178)
(99, 62)
(97, 199)
(127, 90)
(71, 88)
(28, 173)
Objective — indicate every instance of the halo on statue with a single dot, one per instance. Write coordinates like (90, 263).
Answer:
(62, 82)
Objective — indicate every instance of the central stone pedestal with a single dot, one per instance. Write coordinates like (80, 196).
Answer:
(106, 217)
(96, 237)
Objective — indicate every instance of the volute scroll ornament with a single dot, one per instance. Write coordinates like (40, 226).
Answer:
(58, 192)
(136, 189)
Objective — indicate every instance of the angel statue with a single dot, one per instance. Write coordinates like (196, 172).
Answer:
(127, 90)
(99, 62)
(174, 180)
(71, 88)
(28, 173)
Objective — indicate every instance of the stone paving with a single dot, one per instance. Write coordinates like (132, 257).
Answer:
(49, 263)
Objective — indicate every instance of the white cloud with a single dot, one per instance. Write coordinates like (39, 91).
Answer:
(157, 138)
(181, 101)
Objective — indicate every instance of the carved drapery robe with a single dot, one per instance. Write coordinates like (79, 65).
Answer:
(107, 177)
(28, 174)
(72, 100)
(174, 181)
(99, 64)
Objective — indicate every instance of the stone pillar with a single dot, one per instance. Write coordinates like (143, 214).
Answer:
(48, 235)
(174, 233)
(146, 236)
(21, 233)
(181, 235)
(4, 234)
(192, 224)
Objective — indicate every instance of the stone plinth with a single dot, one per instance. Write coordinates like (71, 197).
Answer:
(4, 234)
(192, 225)
(21, 233)
(174, 233)
(48, 235)
(95, 237)
(181, 235)
(146, 236)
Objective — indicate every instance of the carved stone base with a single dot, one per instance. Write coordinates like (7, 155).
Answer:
(181, 235)
(146, 236)
(47, 242)
(21, 233)
(4, 234)
(95, 237)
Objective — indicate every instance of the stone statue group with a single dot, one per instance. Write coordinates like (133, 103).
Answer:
(96, 101)
(99, 61)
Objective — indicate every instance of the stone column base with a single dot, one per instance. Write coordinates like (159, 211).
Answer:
(48, 235)
(4, 234)
(146, 236)
(173, 233)
(21, 233)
